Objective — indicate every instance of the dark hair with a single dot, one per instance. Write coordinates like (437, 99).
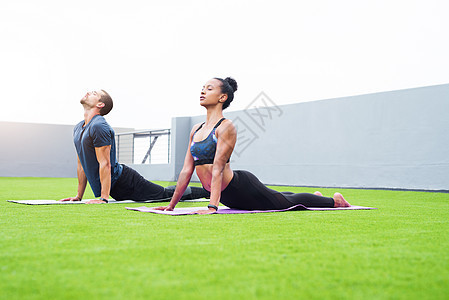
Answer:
(107, 100)
(228, 87)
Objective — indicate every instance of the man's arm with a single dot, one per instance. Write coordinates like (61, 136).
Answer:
(82, 183)
(104, 160)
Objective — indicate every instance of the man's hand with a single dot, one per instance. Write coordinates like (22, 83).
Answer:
(71, 199)
(95, 201)
(165, 208)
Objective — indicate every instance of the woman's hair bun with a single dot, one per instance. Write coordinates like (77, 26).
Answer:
(232, 83)
(228, 87)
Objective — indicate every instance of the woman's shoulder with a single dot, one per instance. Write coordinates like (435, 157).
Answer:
(227, 123)
(196, 126)
(226, 126)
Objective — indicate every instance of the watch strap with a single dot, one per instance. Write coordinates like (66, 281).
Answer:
(213, 206)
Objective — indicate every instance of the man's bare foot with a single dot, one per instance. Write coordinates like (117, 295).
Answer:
(339, 201)
(318, 193)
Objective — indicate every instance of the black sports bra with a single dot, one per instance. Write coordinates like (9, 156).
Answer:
(203, 152)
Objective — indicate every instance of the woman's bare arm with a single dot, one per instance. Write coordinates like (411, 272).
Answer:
(184, 176)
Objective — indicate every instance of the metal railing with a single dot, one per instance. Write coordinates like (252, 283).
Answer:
(144, 147)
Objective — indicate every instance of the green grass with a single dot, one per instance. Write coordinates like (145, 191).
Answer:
(399, 251)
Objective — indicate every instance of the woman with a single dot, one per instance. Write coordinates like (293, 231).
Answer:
(211, 145)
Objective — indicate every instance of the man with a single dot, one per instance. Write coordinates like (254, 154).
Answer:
(97, 163)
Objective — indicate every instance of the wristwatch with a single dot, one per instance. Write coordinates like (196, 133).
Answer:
(103, 199)
(212, 206)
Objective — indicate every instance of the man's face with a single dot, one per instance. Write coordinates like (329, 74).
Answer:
(91, 99)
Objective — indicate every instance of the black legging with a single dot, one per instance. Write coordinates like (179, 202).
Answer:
(245, 191)
(133, 186)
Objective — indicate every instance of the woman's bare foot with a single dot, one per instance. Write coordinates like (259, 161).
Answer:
(339, 201)
(318, 193)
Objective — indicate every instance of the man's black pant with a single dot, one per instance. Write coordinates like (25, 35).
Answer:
(132, 186)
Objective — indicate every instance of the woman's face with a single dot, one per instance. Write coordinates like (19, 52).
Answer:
(211, 93)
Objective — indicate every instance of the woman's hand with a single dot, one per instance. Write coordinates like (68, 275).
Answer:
(204, 211)
(164, 208)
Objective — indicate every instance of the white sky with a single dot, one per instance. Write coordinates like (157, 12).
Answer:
(154, 56)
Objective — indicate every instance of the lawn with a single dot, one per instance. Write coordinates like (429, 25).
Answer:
(103, 251)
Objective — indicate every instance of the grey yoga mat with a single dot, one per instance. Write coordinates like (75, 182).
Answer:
(111, 201)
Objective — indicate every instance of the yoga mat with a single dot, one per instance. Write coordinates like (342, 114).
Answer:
(227, 210)
(111, 201)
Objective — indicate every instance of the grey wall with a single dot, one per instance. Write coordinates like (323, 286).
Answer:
(386, 140)
(38, 150)
(395, 139)
(179, 140)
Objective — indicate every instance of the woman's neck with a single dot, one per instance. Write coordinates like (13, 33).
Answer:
(214, 114)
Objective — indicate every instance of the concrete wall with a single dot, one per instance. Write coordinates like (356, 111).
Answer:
(179, 140)
(396, 139)
(38, 150)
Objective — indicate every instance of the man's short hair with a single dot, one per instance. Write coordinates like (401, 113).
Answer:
(107, 100)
